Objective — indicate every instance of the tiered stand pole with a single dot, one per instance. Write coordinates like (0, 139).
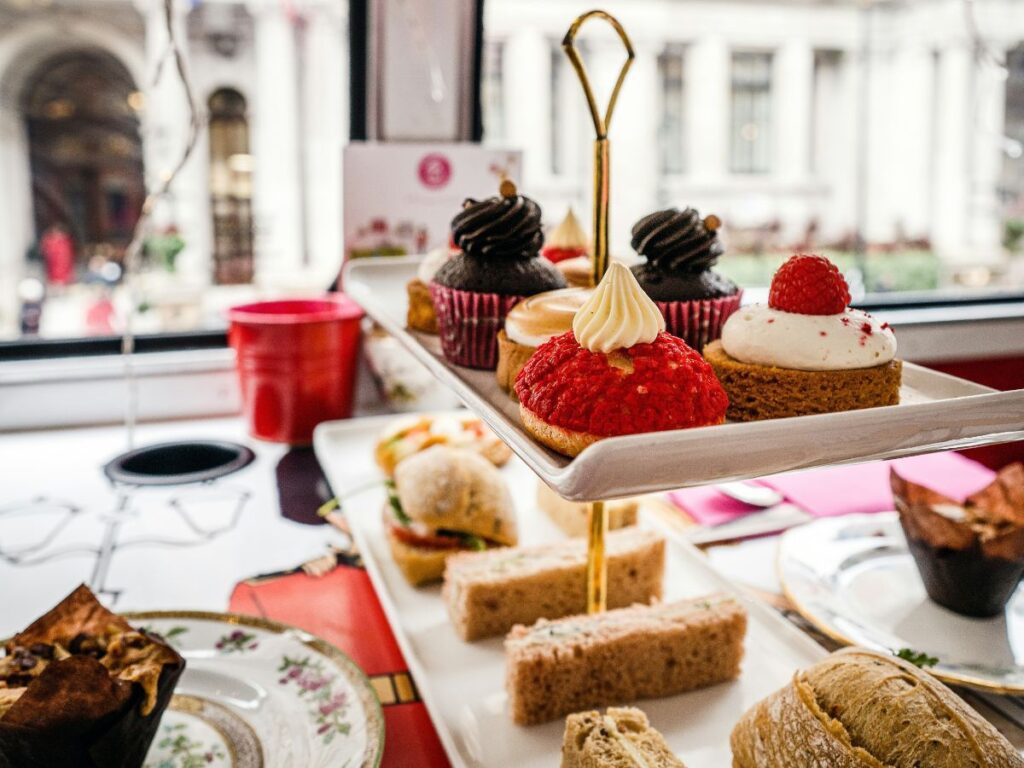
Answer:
(597, 567)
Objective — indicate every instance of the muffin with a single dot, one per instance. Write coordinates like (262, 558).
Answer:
(805, 352)
(500, 264)
(970, 555)
(616, 373)
(421, 315)
(680, 248)
(566, 241)
(529, 324)
(81, 687)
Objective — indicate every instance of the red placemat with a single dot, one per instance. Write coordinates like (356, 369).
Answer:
(343, 609)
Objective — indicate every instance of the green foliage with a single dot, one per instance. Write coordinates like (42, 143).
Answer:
(911, 270)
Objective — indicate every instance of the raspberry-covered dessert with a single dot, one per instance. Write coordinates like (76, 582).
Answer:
(679, 248)
(616, 373)
(530, 323)
(498, 266)
(806, 351)
(566, 241)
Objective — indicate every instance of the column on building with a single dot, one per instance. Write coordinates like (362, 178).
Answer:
(707, 110)
(949, 155)
(793, 90)
(988, 108)
(165, 133)
(527, 79)
(15, 214)
(634, 137)
(906, 125)
(277, 168)
(794, 87)
(325, 130)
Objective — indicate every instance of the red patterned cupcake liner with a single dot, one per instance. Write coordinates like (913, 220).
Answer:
(468, 324)
(699, 322)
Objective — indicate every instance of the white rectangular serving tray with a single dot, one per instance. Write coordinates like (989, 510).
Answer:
(936, 412)
(462, 684)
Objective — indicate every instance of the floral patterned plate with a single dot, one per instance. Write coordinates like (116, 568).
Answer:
(257, 694)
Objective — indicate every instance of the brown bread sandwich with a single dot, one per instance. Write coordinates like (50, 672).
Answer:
(443, 501)
(81, 688)
(620, 738)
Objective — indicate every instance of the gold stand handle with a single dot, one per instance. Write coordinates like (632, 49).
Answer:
(601, 125)
(597, 567)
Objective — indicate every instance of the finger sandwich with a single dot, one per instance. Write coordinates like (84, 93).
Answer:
(488, 593)
(645, 651)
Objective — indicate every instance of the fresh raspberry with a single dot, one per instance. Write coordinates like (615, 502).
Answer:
(670, 386)
(809, 285)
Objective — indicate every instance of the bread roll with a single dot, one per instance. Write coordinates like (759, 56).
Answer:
(458, 490)
(864, 709)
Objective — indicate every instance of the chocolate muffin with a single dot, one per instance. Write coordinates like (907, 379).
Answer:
(970, 555)
(680, 248)
(500, 239)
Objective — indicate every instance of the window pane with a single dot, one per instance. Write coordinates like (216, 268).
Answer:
(83, 126)
(750, 149)
(672, 127)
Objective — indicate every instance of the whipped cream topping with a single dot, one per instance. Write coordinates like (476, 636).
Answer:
(539, 318)
(618, 315)
(761, 335)
(568, 234)
(432, 262)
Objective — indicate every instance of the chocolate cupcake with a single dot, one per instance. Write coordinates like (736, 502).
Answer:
(680, 249)
(970, 555)
(499, 265)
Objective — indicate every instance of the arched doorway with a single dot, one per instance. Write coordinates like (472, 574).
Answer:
(230, 188)
(85, 152)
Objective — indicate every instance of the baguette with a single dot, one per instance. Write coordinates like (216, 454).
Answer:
(571, 516)
(614, 740)
(558, 667)
(488, 593)
(864, 709)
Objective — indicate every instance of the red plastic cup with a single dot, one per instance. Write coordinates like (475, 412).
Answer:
(297, 363)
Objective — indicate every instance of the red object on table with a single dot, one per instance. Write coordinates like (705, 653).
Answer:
(343, 609)
(296, 363)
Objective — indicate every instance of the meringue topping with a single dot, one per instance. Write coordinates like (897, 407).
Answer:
(538, 318)
(619, 314)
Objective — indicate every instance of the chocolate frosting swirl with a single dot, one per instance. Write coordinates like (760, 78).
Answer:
(676, 241)
(499, 228)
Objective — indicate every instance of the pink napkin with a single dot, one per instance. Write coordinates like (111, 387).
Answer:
(843, 490)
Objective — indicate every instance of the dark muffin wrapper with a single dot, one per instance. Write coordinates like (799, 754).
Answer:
(468, 324)
(965, 581)
(699, 322)
(120, 738)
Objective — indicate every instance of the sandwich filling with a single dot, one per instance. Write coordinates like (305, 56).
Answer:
(418, 534)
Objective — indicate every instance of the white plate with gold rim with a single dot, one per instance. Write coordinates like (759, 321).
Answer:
(855, 580)
(258, 694)
(936, 412)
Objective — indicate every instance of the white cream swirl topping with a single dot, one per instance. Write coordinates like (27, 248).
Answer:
(618, 315)
(760, 335)
(537, 319)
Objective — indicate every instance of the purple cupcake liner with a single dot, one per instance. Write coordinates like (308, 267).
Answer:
(468, 324)
(699, 322)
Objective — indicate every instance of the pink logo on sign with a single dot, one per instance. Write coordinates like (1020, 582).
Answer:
(435, 170)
